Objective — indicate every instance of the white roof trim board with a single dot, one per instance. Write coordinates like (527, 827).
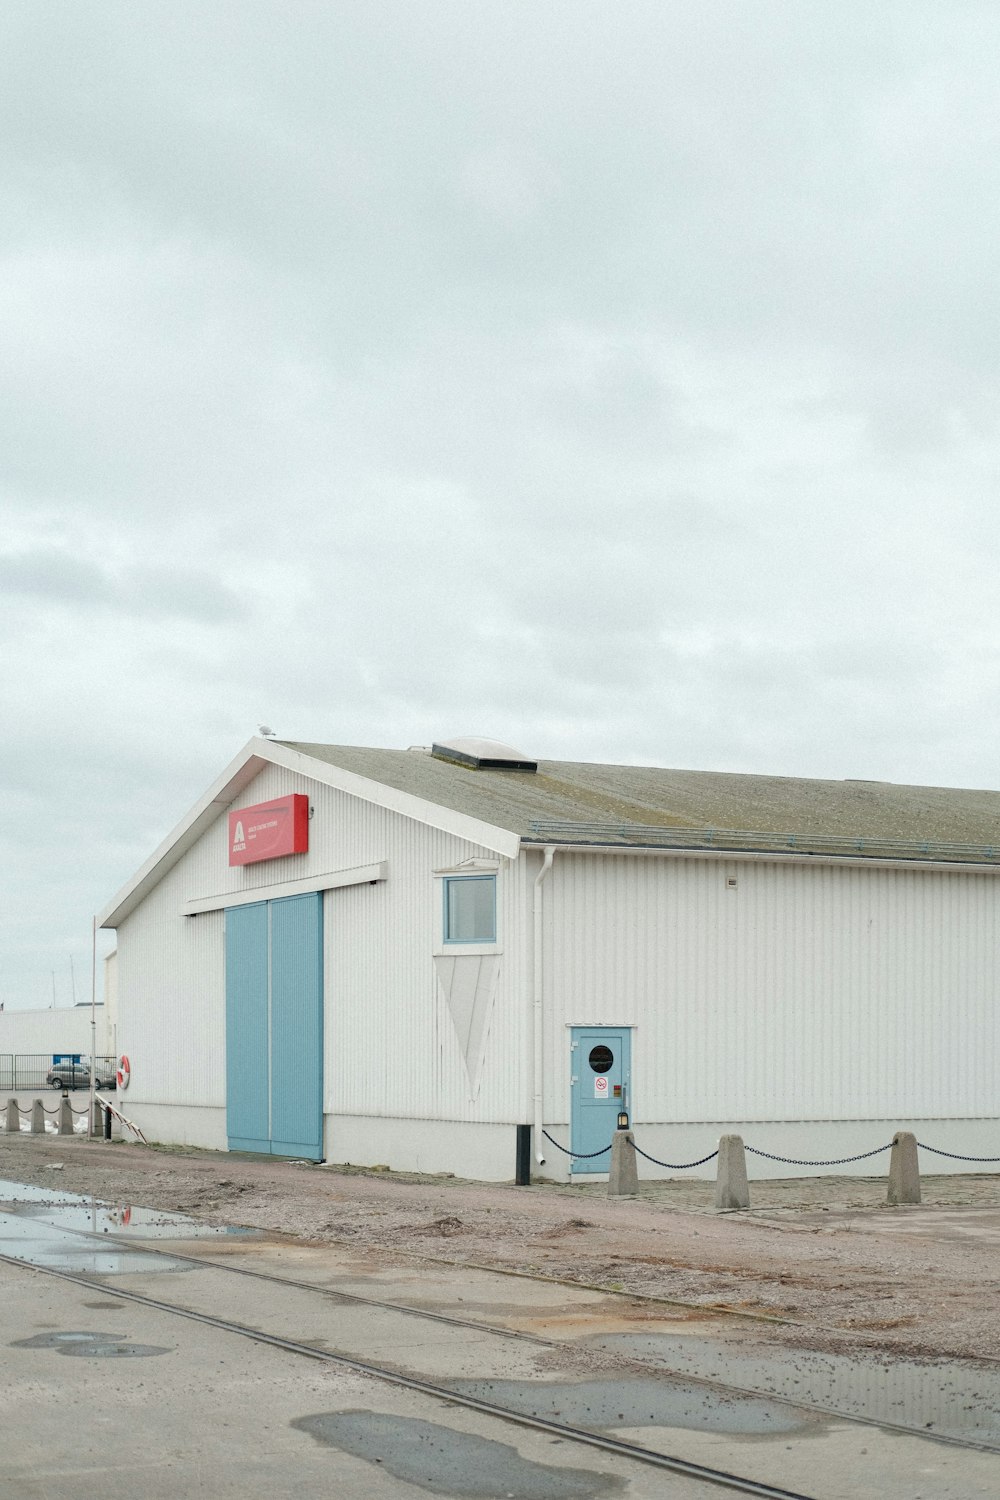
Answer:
(335, 880)
(252, 759)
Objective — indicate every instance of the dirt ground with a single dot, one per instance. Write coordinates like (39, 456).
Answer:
(824, 1254)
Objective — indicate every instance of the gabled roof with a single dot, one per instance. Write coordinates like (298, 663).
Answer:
(252, 759)
(579, 802)
(585, 804)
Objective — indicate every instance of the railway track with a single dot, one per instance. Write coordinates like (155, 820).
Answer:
(602, 1441)
(624, 1365)
(608, 1363)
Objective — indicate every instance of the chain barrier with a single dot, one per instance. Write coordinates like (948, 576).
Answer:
(788, 1161)
(679, 1166)
(954, 1155)
(589, 1155)
(25, 1114)
(836, 1161)
(580, 1155)
(676, 1166)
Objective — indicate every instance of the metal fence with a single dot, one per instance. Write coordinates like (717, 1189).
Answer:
(32, 1071)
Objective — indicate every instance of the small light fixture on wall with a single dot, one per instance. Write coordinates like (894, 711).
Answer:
(623, 1119)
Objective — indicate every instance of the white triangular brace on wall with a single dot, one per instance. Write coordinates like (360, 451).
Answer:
(469, 984)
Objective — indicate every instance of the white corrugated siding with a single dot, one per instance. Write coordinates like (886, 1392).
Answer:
(390, 1044)
(171, 998)
(807, 992)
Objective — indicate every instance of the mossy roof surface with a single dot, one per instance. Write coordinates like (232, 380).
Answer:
(615, 800)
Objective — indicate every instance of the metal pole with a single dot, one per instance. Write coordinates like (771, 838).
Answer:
(538, 1108)
(93, 1025)
(522, 1166)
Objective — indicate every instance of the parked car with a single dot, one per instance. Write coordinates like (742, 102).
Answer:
(76, 1075)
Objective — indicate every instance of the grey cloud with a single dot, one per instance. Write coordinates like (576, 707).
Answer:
(182, 594)
(695, 176)
(617, 380)
(50, 575)
(53, 575)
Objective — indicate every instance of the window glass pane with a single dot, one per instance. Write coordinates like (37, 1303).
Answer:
(470, 910)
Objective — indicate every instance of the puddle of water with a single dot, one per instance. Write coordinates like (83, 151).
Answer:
(89, 1345)
(72, 1211)
(446, 1462)
(625, 1402)
(56, 1340)
(113, 1351)
(41, 1244)
(948, 1399)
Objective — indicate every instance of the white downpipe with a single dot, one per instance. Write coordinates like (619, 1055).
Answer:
(550, 855)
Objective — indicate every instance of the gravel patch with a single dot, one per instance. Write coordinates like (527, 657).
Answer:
(825, 1254)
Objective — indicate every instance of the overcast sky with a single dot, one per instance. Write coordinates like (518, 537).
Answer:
(619, 380)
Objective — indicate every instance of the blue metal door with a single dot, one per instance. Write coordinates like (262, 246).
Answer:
(297, 1026)
(600, 1085)
(274, 1027)
(248, 1081)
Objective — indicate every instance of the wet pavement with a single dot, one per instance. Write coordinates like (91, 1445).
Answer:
(581, 1358)
(635, 1402)
(946, 1398)
(436, 1458)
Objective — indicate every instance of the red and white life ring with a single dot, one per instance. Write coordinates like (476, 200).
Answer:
(124, 1072)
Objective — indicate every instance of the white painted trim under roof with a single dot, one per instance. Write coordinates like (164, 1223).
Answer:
(252, 759)
(768, 856)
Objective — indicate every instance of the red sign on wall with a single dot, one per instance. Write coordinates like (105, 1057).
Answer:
(269, 830)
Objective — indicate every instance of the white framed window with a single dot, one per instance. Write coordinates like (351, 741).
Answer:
(469, 913)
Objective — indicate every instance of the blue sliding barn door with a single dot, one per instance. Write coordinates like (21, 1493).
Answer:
(247, 1027)
(274, 1027)
(297, 1026)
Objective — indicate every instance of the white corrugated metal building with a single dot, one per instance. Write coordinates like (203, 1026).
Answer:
(400, 956)
(57, 1031)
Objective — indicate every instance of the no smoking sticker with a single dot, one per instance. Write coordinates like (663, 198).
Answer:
(600, 1087)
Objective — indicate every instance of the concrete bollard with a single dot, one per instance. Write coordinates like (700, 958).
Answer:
(37, 1117)
(65, 1116)
(904, 1170)
(731, 1187)
(623, 1174)
(97, 1120)
(13, 1122)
